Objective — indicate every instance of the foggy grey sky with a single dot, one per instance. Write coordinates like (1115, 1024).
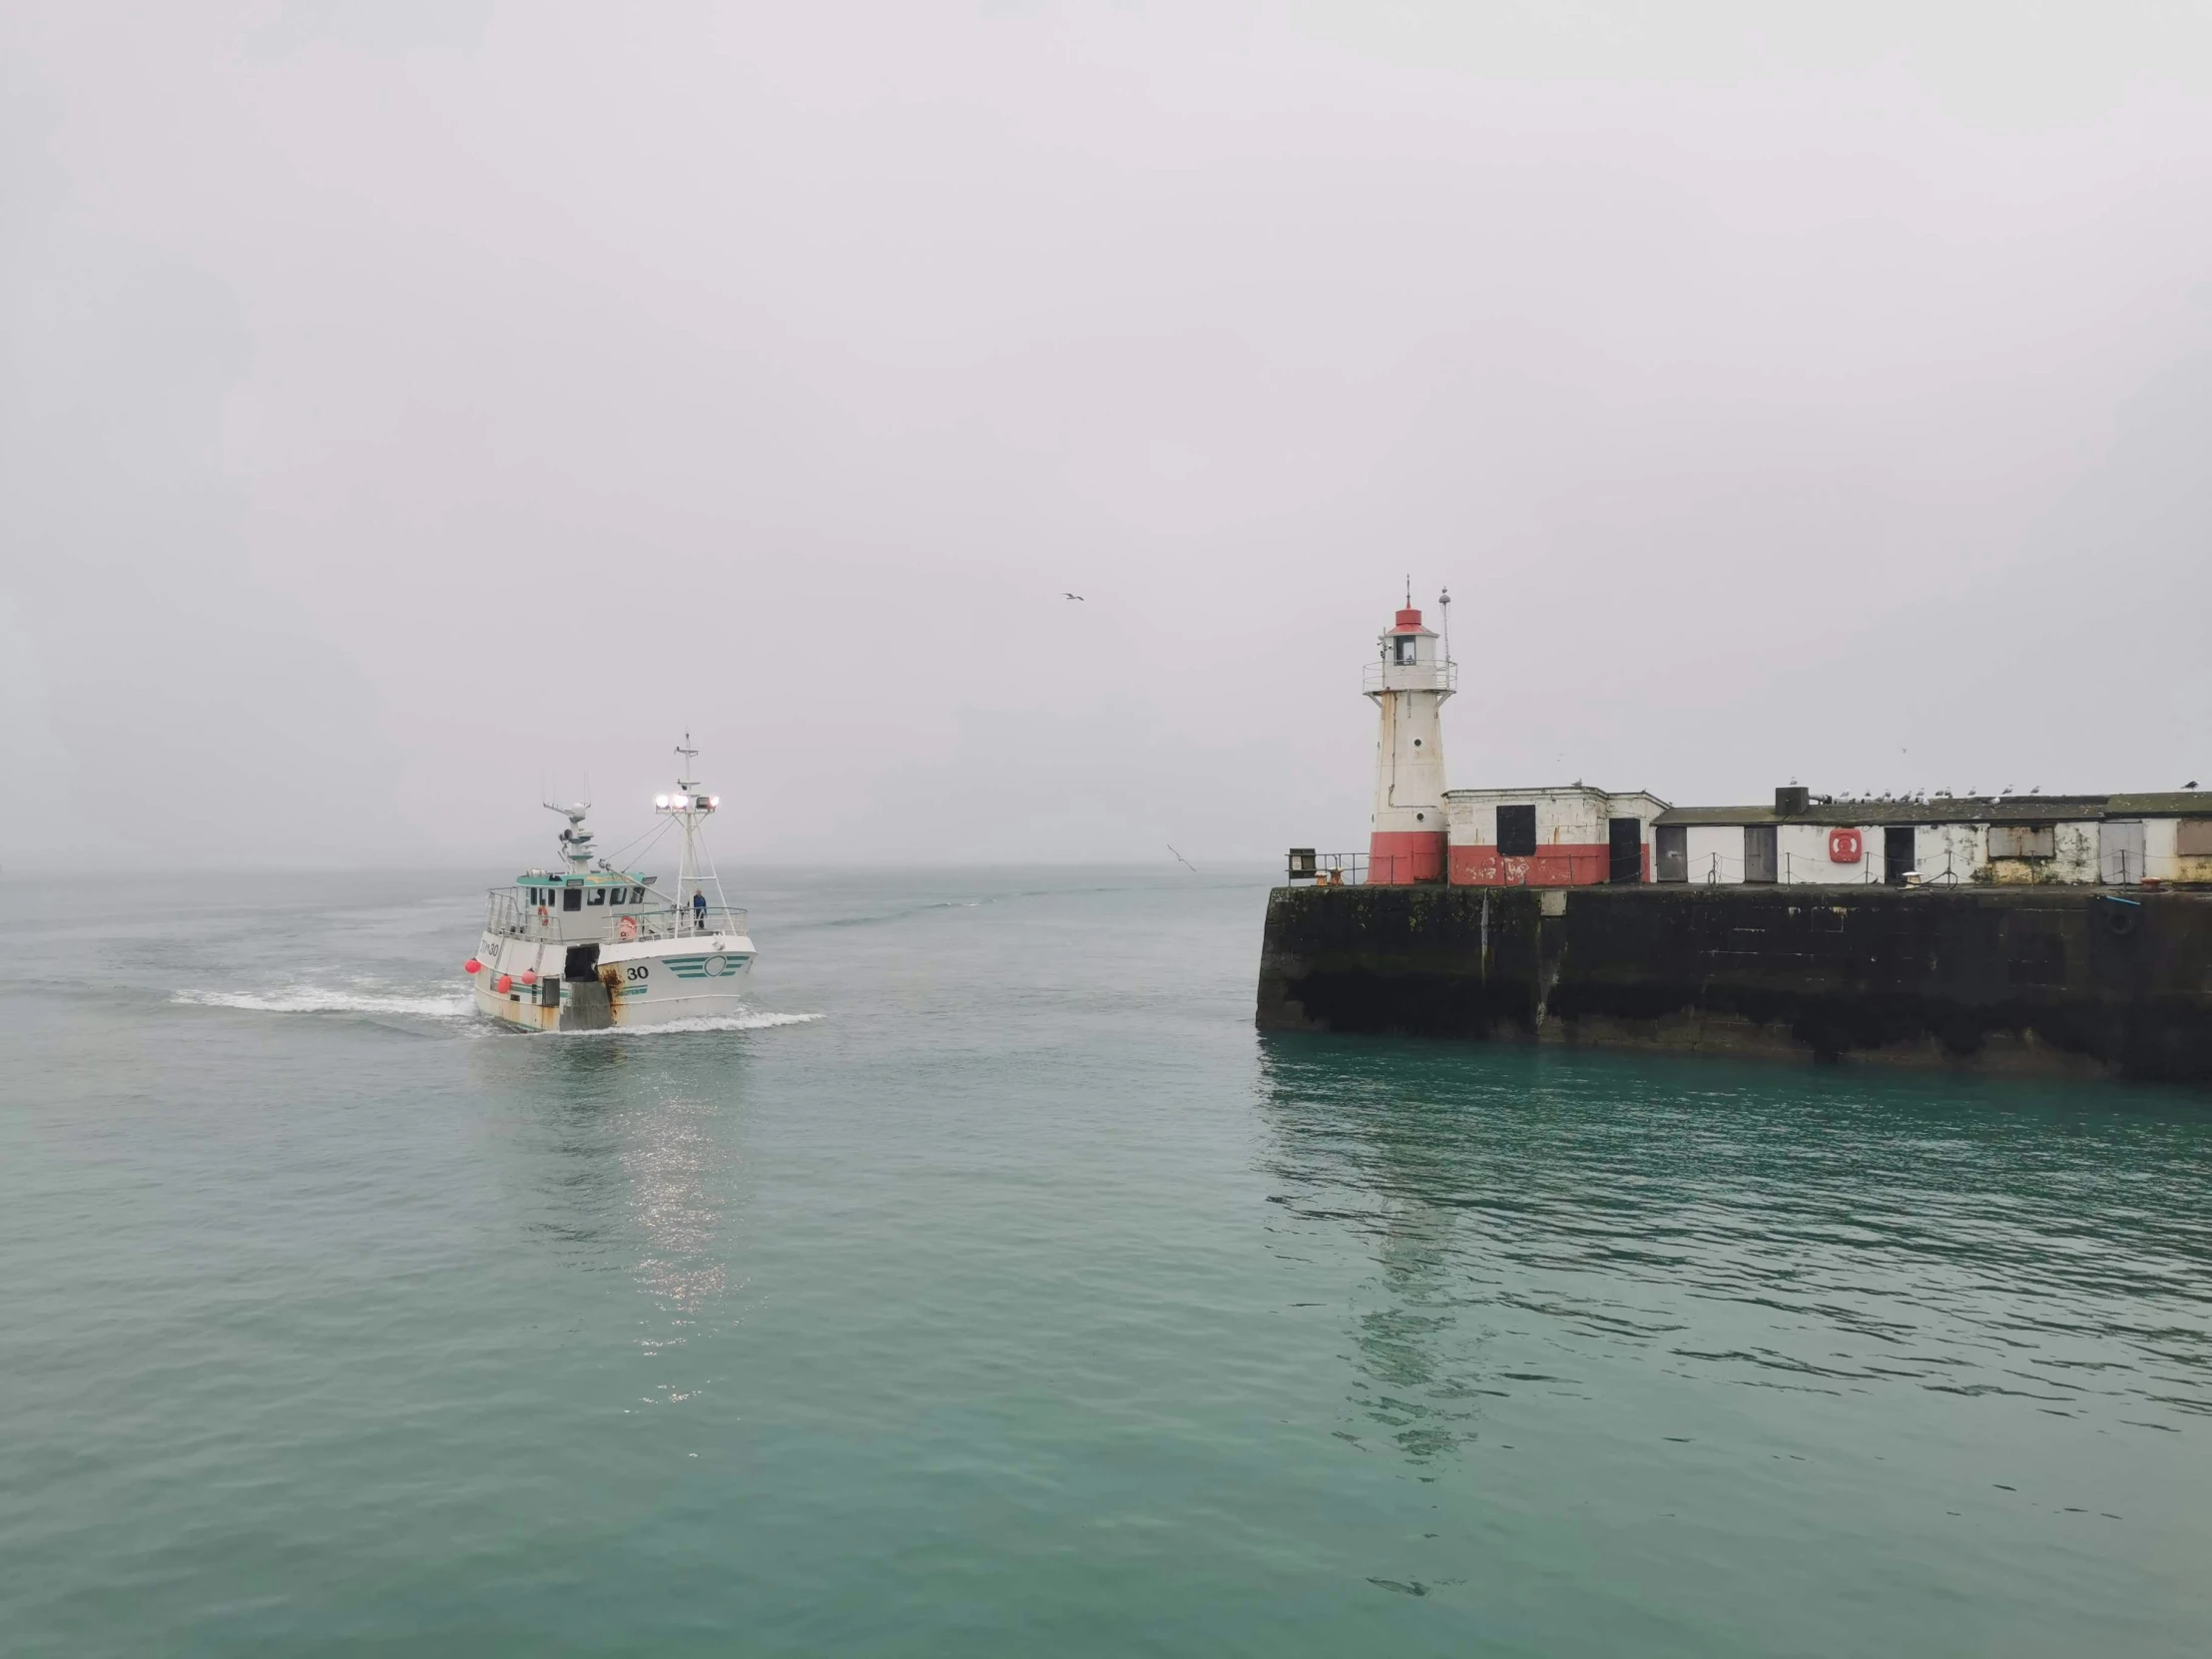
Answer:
(407, 406)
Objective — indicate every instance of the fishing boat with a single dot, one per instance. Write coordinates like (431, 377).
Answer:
(587, 947)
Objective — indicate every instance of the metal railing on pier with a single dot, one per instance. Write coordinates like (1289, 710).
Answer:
(1328, 869)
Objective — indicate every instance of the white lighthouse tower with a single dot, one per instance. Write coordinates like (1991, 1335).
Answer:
(1408, 686)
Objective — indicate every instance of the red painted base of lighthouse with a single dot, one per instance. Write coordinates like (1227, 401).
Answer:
(1401, 857)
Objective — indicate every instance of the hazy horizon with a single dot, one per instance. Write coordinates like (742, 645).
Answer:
(412, 410)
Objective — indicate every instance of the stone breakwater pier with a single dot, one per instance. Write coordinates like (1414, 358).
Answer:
(2043, 979)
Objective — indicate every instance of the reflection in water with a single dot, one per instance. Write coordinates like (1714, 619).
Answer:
(1536, 1217)
(640, 1162)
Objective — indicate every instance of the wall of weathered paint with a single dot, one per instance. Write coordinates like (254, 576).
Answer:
(1573, 835)
(1949, 851)
(1956, 853)
(1802, 851)
(2046, 978)
(2073, 859)
(1716, 853)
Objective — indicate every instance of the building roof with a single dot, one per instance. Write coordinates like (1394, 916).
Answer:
(1959, 809)
(1533, 790)
(2160, 804)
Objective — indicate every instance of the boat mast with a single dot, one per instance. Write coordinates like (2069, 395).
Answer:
(695, 868)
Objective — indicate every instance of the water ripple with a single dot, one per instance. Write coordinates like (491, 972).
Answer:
(1835, 1233)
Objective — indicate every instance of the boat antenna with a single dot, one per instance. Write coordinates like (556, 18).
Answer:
(575, 839)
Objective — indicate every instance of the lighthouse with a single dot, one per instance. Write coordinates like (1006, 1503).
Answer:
(1408, 685)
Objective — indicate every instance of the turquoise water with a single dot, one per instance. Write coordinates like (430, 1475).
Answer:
(1022, 1300)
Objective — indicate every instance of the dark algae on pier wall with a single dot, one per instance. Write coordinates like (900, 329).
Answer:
(2034, 978)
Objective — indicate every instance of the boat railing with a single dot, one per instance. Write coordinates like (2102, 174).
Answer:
(511, 914)
(686, 924)
(508, 913)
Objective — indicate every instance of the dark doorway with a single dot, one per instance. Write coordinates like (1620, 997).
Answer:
(1624, 846)
(1671, 845)
(1516, 832)
(1896, 853)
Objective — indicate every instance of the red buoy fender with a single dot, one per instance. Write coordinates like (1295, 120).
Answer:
(506, 983)
(530, 976)
(472, 965)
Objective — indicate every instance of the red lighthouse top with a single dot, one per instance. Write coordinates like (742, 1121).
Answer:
(1408, 617)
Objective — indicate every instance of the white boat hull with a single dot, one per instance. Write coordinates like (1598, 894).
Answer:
(643, 982)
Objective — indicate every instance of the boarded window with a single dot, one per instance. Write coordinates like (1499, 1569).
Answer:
(1671, 852)
(1516, 832)
(2193, 838)
(2022, 840)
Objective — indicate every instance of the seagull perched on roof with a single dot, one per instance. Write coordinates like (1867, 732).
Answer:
(1078, 598)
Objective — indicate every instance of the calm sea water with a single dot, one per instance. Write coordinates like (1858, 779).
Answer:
(1018, 1299)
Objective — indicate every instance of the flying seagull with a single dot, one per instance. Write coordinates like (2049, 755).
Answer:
(1179, 858)
(1078, 598)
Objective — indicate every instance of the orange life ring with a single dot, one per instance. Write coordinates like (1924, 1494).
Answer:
(1843, 847)
(627, 928)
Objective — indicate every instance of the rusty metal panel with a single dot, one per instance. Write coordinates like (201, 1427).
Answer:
(2022, 840)
(2193, 838)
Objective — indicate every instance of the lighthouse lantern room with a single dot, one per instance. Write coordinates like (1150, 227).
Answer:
(1410, 683)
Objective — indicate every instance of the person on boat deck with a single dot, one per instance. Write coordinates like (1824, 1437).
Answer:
(699, 908)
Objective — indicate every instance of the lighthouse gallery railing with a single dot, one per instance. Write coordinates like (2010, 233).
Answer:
(1410, 677)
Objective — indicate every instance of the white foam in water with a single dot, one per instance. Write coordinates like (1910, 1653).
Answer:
(704, 1023)
(311, 999)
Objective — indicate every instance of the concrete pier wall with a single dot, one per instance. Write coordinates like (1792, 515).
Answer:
(2043, 979)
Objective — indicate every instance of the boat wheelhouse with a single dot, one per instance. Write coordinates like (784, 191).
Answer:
(589, 946)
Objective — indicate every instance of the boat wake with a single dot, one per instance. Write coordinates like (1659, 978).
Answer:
(456, 1007)
(748, 1021)
(315, 999)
